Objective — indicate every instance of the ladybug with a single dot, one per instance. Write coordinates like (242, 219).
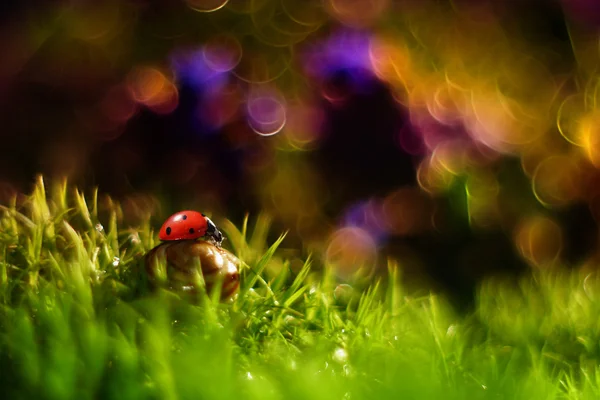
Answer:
(187, 225)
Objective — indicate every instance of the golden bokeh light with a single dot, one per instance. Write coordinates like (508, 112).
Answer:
(539, 240)
(206, 5)
(557, 180)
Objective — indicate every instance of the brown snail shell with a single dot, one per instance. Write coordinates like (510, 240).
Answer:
(189, 262)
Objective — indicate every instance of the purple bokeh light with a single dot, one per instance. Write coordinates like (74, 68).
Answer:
(266, 112)
(347, 49)
(368, 216)
(192, 68)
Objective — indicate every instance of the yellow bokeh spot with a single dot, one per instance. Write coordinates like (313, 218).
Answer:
(556, 180)
(432, 177)
(390, 61)
(589, 132)
(539, 240)
(569, 117)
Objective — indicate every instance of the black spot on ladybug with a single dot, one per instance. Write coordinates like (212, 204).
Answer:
(184, 216)
(191, 230)
(168, 230)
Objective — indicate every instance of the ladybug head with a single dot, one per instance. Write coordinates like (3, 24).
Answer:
(213, 232)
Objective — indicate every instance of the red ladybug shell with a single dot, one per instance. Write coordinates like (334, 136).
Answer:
(184, 225)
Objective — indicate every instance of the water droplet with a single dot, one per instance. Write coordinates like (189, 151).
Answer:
(249, 376)
(116, 261)
(99, 228)
(451, 332)
(340, 355)
(347, 370)
(135, 238)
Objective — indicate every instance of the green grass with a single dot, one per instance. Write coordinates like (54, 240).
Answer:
(76, 321)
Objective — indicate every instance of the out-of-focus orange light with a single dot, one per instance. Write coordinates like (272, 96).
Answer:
(150, 87)
(350, 250)
(303, 125)
(557, 180)
(406, 211)
(539, 240)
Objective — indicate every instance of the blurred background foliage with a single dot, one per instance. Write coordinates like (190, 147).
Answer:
(458, 137)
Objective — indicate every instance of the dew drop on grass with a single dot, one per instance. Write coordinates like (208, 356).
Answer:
(99, 228)
(116, 261)
(135, 238)
(249, 376)
(347, 370)
(451, 332)
(343, 293)
(340, 355)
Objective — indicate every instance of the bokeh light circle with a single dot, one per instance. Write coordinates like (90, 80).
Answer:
(206, 5)
(351, 249)
(569, 117)
(261, 65)
(150, 87)
(303, 125)
(589, 133)
(556, 181)
(357, 13)
(432, 177)
(310, 14)
(222, 53)
(266, 114)
(406, 211)
(539, 240)
(146, 83)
